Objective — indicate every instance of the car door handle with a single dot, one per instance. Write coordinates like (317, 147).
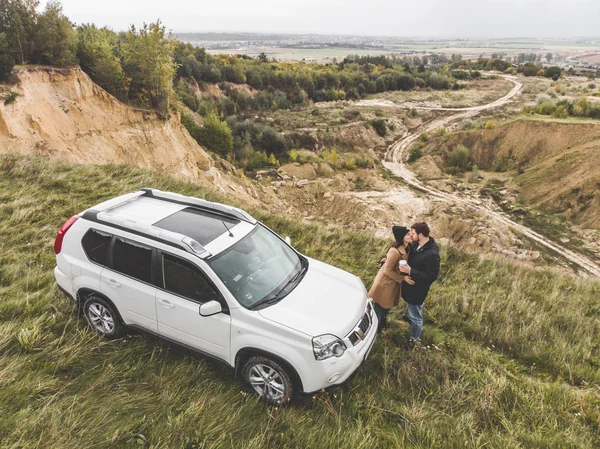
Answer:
(166, 304)
(113, 283)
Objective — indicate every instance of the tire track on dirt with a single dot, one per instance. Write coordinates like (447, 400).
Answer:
(394, 161)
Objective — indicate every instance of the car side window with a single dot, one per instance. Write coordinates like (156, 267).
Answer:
(132, 259)
(184, 279)
(96, 245)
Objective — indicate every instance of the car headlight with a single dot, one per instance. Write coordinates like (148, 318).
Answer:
(326, 346)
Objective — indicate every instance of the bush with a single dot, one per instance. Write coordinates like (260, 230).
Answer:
(546, 108)
(561, 112)
(490, 124)
(216, 136)
(415, 152)
(468, 125)
(271, 141)
(363, 162)
(12, 97)
(592, 85)
(424, 137)
(437, 81)
(459, 158)
(379, 126)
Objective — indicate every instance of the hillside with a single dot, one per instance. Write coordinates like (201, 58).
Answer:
(508, 359)
(61, 112)
(560, 163)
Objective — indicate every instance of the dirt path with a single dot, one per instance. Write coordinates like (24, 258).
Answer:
(394, 162)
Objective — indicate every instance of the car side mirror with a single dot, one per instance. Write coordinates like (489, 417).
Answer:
(210, 308)
(288, 240)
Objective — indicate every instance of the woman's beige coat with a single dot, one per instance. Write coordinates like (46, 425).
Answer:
(387, 285)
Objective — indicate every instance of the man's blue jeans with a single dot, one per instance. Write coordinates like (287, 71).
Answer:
(415, 315)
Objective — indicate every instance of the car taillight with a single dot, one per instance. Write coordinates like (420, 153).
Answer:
(61, 233)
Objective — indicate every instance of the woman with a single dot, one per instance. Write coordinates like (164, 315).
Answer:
(385, 292)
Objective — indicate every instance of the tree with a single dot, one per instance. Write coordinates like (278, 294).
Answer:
(55, 38)
(148, 61)
(17, 21)
(96, 51)
(262, 57)
(6, 58)
(549, 57)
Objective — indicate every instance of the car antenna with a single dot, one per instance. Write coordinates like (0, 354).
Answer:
(228, 230)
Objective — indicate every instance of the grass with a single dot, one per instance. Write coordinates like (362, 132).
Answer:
(510, 354)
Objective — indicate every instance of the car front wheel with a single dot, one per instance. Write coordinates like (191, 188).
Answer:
(269, 380)
(103, 317)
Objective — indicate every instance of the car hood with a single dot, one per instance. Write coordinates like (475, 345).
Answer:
(327, 301)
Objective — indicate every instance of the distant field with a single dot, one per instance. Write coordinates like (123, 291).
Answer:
(297, 54)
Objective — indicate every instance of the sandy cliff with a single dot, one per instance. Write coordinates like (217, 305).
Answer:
(61, 112)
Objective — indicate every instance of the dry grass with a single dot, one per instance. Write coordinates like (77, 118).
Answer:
(510, 355)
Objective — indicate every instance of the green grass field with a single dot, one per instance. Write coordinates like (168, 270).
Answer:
(510, 356)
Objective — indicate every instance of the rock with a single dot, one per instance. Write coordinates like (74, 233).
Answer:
(503, 192)
(472, 241)
(302, 183)
(327, 195)
(564, 240)
(535, 255)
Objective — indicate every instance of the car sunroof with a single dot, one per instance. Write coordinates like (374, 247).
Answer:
(202, 226)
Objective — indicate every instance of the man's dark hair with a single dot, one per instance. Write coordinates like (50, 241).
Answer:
(421, 228)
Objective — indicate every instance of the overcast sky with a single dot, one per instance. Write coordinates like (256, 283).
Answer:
(419, 18)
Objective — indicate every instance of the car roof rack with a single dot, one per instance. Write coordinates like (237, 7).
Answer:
(155, 233)
(208, 206)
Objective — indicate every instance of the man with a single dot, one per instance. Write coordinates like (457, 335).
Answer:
(423, 268)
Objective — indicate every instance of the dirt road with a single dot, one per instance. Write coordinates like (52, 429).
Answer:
(394, 162)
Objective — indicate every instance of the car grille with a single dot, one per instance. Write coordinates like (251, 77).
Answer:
(361, 329)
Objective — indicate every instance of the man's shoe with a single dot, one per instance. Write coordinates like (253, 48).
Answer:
(412, 344)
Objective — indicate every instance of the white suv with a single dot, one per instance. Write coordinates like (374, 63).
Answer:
(211, 278)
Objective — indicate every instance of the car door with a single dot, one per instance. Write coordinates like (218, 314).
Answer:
(183, 289)
(128, 282)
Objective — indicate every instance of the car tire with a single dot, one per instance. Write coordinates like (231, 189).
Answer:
(269, 380)
(102, 317)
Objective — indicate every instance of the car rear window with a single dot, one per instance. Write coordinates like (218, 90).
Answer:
(96, 245)
(201, 226)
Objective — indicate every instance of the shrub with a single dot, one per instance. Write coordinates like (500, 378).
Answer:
(415, 152)
(541, 99)
(293, 156)
(271, 141)
(379, 126)
(546, 108)
(424, 137)
(437, 81)
(458, 158)
(561, 112)
(582, 107)
(363, 162)
(12, 97)
(490, 124)
(468, 125)
(216, 136)
(592, 85)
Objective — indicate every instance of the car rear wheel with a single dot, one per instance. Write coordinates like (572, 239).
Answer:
(269, 380)
(103, 317)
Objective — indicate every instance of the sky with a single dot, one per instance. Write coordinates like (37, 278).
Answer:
(403, 18)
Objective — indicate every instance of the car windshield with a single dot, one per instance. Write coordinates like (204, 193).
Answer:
(259, 269)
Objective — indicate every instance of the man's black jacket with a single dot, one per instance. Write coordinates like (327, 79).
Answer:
(424, 269)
